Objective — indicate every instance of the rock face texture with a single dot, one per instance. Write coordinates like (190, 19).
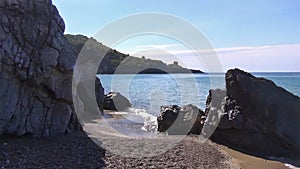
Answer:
(180, 120)
(116, 101)
(35, 70)
(222, 106)
(257, 116)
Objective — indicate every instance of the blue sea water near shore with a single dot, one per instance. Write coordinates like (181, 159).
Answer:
(147, 92)
(150, 91)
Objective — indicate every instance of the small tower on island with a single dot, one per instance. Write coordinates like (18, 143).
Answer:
(175, 63)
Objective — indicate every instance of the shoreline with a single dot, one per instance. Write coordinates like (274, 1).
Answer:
(246, 161)
(77, 150)
(239, 159)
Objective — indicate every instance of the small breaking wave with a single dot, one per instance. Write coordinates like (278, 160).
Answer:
(150, 123)
(287, 162)
(291, 166)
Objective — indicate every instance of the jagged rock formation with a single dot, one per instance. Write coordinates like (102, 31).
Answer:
(257, 116)
(36, 63)
(187, 119)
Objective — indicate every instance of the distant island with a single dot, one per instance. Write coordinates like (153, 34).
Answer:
(116, 62)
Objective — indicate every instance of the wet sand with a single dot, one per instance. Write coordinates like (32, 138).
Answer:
(250, 162)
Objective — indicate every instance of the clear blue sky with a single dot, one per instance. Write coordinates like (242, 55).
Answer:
(227, 23)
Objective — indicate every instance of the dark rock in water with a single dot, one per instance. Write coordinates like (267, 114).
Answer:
(177, 120)
(116, 101)
(35, 70)
(257, 116)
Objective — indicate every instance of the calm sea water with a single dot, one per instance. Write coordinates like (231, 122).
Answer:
(150, 91)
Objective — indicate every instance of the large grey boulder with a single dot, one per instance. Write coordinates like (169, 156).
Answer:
(36, 67)
(176, 120)
(257, 116)
(116, 101)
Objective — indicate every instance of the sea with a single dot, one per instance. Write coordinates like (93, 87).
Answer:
(150, 91)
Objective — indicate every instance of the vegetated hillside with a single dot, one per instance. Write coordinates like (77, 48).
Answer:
(116, 62)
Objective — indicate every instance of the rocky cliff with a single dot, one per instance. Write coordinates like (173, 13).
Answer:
(36, 70)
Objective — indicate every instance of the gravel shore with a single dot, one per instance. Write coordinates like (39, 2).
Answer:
(73, 150)
(185, 154)
(76, 150)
